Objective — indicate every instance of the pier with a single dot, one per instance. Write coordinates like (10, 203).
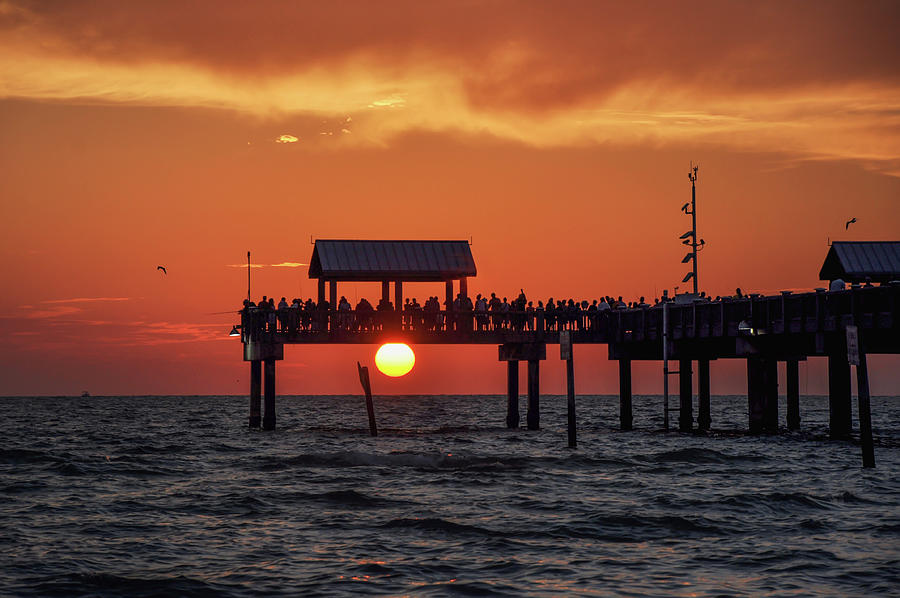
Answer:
(842, 325)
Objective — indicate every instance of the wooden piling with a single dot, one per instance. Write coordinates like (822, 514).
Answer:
(839, 406)
(533, 416)
(255, 393)
(269, 415)
(626, 419)
(570, 402)
(792, 382)
(686, 404)
(704, 420)
(512, 394)
(755, 394)
(865, 412)
(367, 389)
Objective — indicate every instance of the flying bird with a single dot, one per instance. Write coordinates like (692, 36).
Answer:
(162, 268)
(848, 223)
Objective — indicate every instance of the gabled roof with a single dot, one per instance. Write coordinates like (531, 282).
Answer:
(423, 261)
(855, 261)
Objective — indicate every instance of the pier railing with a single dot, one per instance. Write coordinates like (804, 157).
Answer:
(755, 315)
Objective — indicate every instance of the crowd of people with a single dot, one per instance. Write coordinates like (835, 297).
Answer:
(462, 314)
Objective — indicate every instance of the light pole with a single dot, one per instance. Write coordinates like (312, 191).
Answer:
(690, 237)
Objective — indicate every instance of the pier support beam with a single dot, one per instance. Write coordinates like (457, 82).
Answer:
(512, 394)
(686, 404)
(533, 416)
(269, 416)
(255, 393)
(398, 295)
(792, 380)
(570, 401)
(755, 394)
(625, 409)
(704, 421)
(839, 406)
(770, 409)
(332, 295)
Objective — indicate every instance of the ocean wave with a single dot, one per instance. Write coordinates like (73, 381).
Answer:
(426, 461)
(698, 456)
(95, 584)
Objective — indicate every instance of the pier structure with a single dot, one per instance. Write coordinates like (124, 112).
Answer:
(762, 330)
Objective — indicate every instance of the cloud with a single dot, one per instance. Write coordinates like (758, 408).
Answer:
(819, 84)
(51, 312)
(287, 139)
(87, 299)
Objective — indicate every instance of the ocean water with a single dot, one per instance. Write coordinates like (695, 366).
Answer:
(174, 496)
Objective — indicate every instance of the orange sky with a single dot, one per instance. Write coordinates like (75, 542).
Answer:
(556, 135)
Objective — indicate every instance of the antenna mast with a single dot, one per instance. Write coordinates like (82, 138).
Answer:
(690, 237)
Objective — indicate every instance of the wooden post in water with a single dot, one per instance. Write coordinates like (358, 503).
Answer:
(533, 416)
(626, 418)
(512, 394)
(255, 392)
(856, 355)
(686, 391)
(367, 388)
(792, 381)
(704, 420)
(865, 413)
(269, 415)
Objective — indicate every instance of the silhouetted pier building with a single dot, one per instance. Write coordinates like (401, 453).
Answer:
(762, 330)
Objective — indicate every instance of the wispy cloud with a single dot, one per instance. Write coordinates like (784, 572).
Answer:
(51, 312)
(287, 139)
(87, 299)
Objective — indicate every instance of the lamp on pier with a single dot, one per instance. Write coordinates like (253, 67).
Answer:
(234, 331)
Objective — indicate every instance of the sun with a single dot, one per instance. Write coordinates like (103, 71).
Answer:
(395, 359)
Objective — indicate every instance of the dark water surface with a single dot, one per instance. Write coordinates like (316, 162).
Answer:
(173, 496)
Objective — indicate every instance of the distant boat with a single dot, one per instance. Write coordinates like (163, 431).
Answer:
(85, 393)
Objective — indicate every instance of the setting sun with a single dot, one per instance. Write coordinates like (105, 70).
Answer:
(395, 359)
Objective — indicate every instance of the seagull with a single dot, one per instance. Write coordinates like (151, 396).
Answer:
(848, 223)
(162, 268)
